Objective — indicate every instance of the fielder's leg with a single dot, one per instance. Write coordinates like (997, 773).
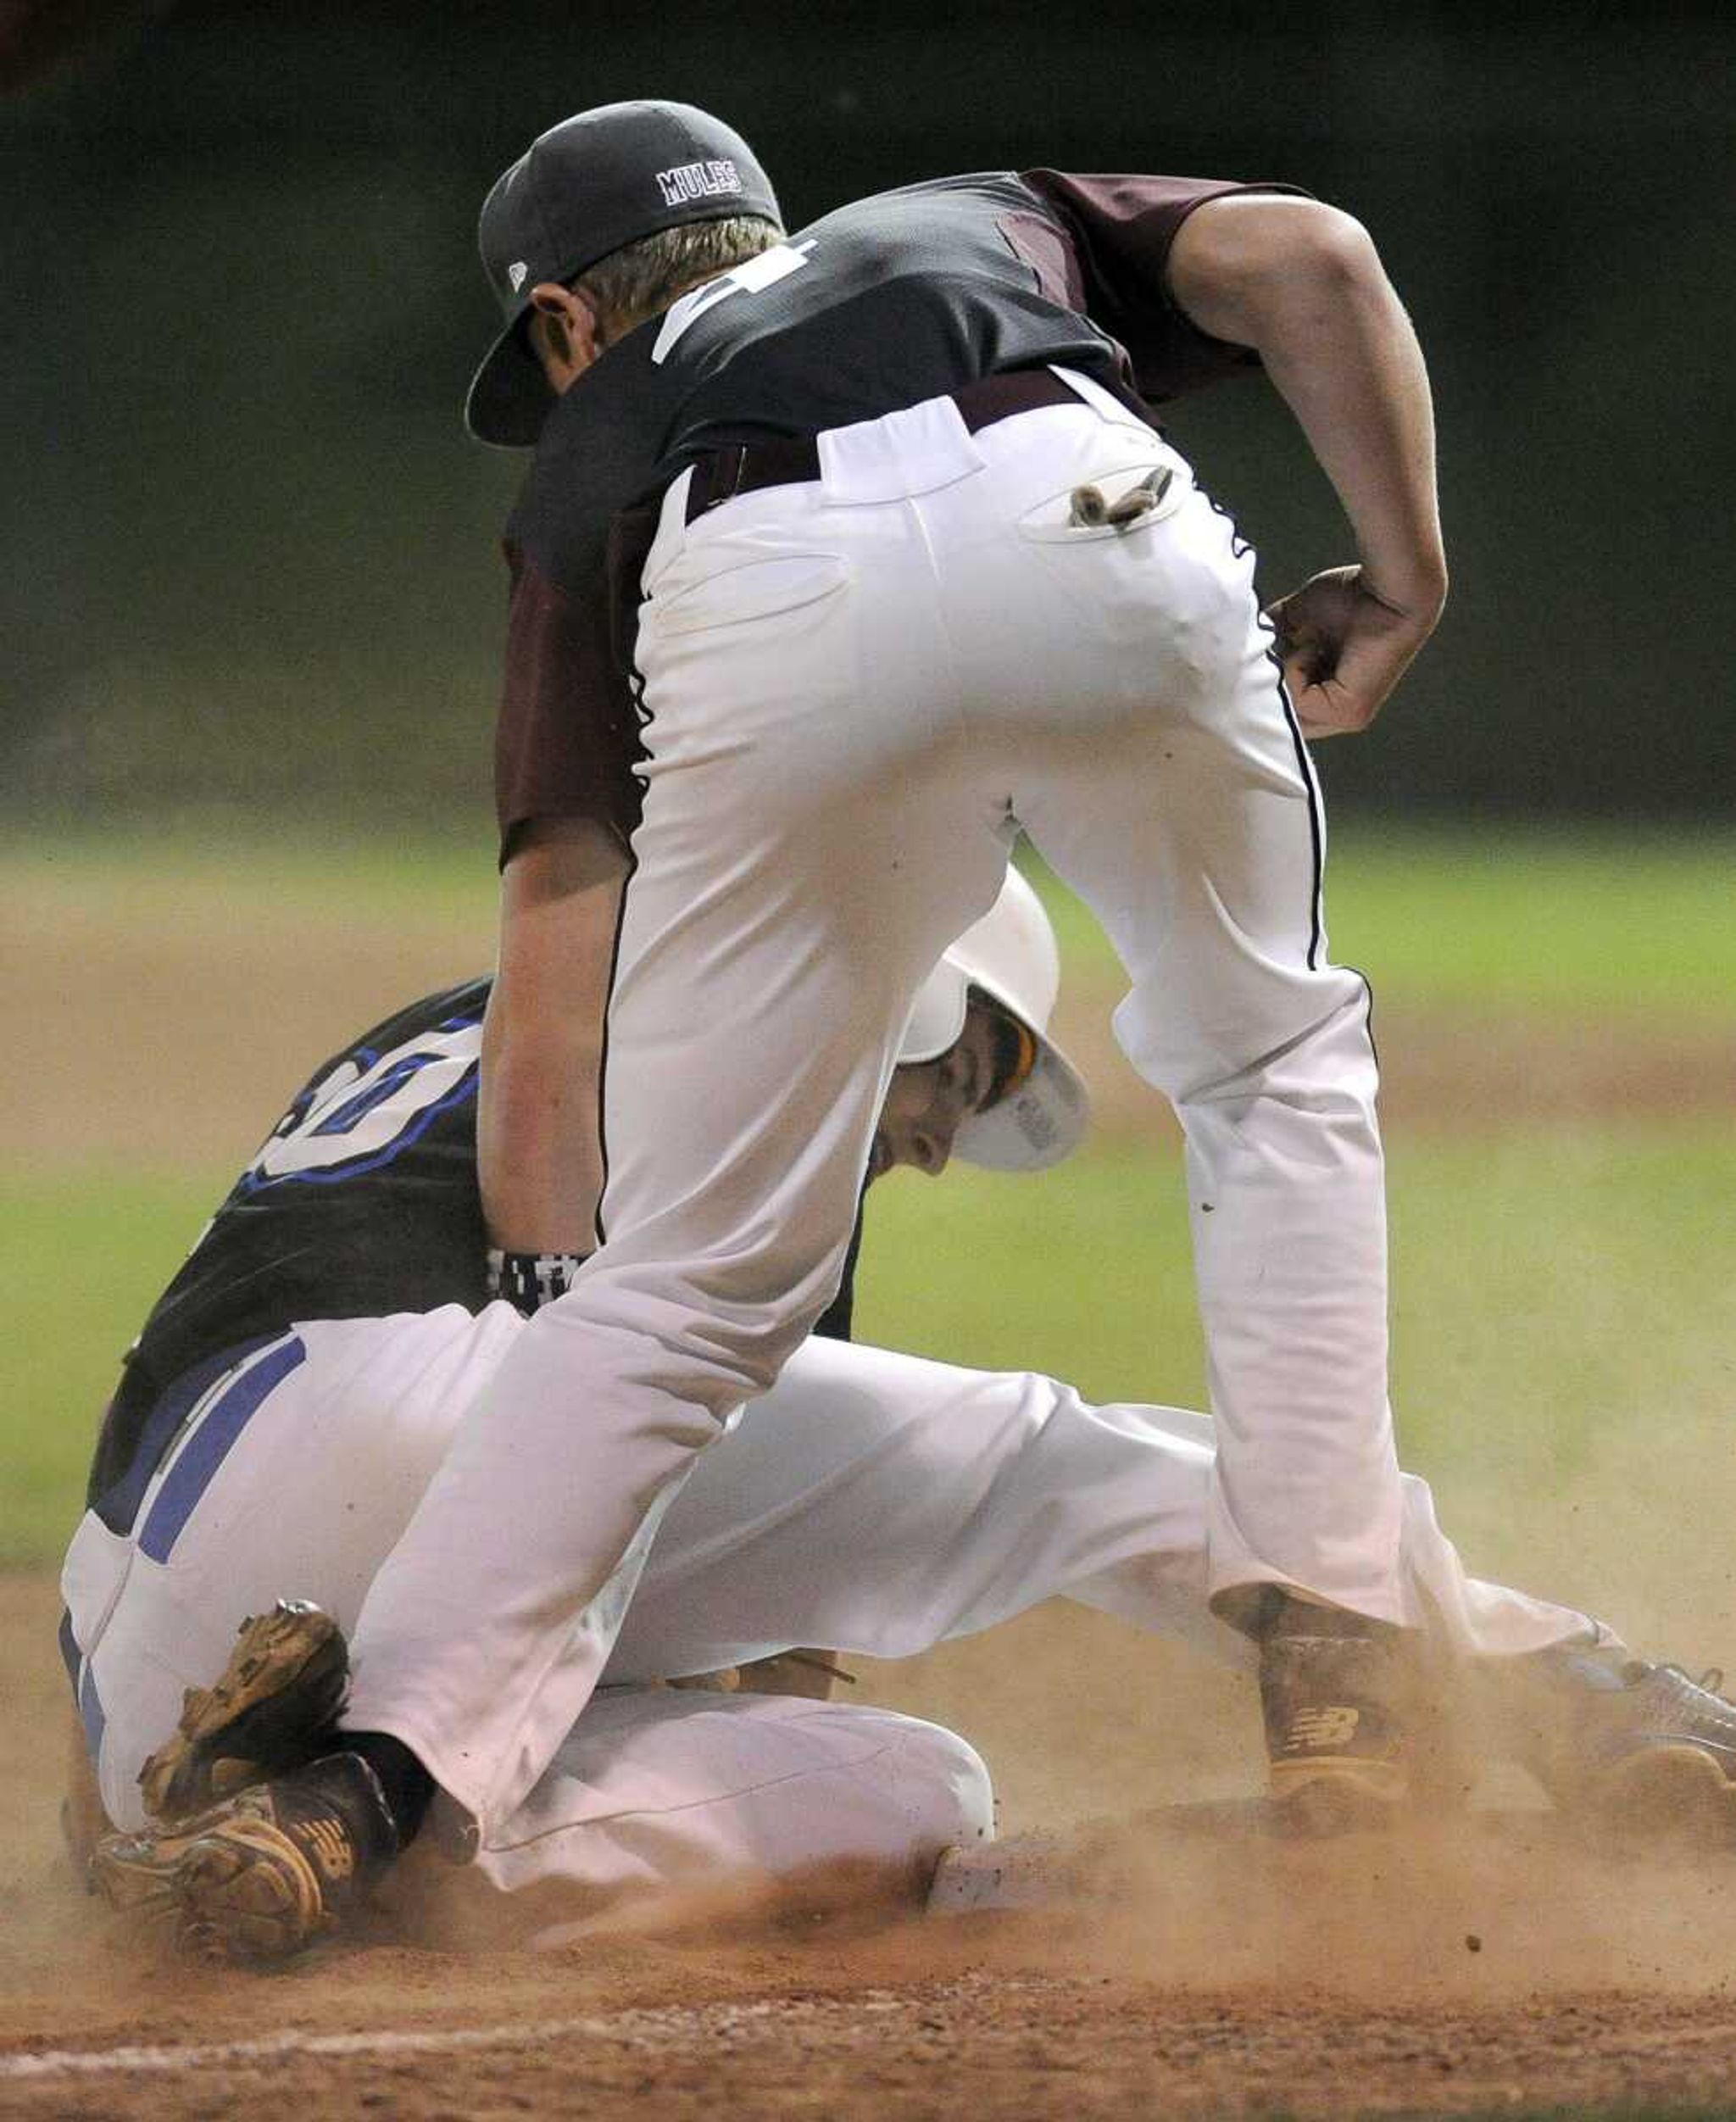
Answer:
(1171, 787)
(883, 1503)
(811, 841)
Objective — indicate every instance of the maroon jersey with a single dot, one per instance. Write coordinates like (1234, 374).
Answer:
(897, 299)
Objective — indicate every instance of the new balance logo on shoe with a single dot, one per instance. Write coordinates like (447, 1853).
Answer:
(1317, 1729)
(329, 1848)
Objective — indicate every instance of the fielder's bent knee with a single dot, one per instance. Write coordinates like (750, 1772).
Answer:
(1316, 1055)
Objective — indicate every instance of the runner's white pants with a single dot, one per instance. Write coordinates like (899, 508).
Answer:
(876, 1502)
(858, 690)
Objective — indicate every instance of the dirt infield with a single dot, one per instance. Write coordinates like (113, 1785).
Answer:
(1010, 2041)
(160, 1018)
(1467, 1973)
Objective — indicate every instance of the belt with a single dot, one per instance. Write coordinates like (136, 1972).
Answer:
(789, 460)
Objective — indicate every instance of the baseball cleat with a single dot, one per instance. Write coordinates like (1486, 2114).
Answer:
(261, 1876)
(1331, 1686)
(271, 1709)
(1642, 1749)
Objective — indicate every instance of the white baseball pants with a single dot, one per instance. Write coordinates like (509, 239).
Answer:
(858, 690)
(877, 1502)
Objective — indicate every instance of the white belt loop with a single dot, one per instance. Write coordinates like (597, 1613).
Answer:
(913, 451)
(671, 528)
(1100, 401)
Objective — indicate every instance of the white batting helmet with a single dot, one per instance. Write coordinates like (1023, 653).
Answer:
(1011, 955)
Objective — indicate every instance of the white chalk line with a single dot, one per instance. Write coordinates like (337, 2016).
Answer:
(661, 2023)
(72, 2063)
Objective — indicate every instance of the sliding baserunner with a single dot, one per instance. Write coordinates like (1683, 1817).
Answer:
(297, 1385)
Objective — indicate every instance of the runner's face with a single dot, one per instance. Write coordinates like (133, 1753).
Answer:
(929, 1101)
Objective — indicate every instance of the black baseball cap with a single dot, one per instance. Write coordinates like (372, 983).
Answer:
(604, 178)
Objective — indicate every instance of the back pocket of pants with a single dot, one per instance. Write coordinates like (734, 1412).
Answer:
(1063, 519)
(733, 596)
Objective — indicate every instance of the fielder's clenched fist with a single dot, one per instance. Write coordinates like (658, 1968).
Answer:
(1345, 646)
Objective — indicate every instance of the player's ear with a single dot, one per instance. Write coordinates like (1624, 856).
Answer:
(563, 332)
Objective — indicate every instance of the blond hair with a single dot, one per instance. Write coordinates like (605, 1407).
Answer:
(639, 279)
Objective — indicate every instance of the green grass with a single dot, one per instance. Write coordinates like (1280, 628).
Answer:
(1573, 923)
(82, 1262)
(1552, 1290)
(1569, 922)
(247, 869)
(1540, 920)
(1543, 1285)
(1553, 1293)
(1563, 1369)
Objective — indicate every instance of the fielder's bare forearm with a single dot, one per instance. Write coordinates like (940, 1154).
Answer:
(539, 1156)
(1302, 284)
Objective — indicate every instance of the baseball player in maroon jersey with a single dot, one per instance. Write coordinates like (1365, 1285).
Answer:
(876, 517)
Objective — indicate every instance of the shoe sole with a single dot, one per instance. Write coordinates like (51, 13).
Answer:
(1671, 1794)
(134, 1874)
(1315, 1799)
(240, 1892)
(281, 1690)
(245, 1893)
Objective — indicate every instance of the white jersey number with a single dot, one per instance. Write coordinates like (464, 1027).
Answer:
(370, 1108)
(751, 278)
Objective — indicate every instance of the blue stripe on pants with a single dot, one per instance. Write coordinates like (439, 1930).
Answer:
(208, 1447)
(71, 1655)
(119, 1505)
(91, 1713)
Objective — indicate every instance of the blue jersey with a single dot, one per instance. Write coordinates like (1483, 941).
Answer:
(362, 1200)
